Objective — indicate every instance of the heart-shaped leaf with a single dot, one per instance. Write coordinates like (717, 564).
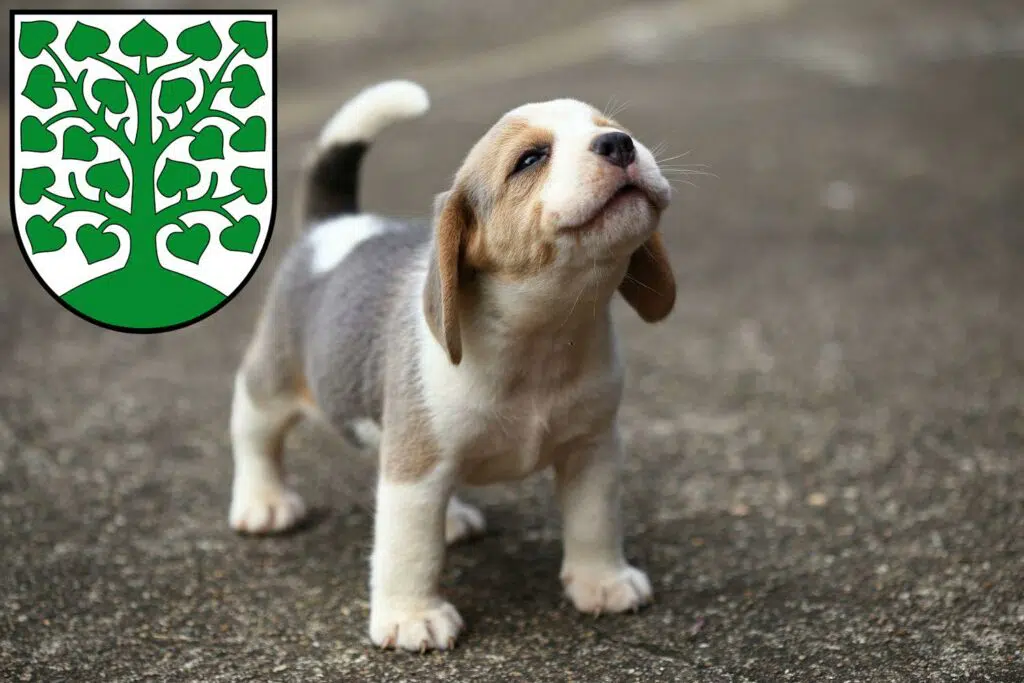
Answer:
(251, 137)
(34, 182)
(251, 36)
(142, 40)
(95, 245)
(242, 236)
(78, 144)
(245, 86)
(207, 144)
(86, 41)
(35, 137)
(252, 182)
(177, 177)
(44, 236)
(39, 87)
(108, 177)
(201, 41)
(175, 93)
(35, 37)
(111, 94)
(189, 244)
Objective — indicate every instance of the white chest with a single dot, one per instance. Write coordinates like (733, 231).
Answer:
(501, 420)
(504, 438)
(511, 440)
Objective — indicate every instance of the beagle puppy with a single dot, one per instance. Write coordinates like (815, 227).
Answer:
(472, 349)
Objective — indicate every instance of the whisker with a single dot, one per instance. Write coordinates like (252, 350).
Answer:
(674, 181)
(689, 169)
(574, 303)
(684, 168)
(676, 156)
(645, 286)
(618, 110)
(685, 165)
(608, 107)
(678, 171)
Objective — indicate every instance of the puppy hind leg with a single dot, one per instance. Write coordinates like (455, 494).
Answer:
(260, 500)
(363, 434)
(462, 521)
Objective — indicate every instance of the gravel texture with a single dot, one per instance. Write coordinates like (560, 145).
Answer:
(826, 480)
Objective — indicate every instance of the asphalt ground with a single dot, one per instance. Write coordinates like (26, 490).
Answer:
(826, 479)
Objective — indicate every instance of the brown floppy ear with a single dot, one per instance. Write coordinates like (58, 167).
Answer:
(649, 286)
(452, 217)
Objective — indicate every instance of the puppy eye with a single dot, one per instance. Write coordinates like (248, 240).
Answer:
(530, 157)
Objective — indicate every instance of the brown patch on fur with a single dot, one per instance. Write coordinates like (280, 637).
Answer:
(602, 121)
(489, 221)
(446, 271)
(513, 240)
(304, 393)
(650, 286)
(409, 451)
(510, 239)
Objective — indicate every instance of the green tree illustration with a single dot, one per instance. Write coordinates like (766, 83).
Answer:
(143, 294)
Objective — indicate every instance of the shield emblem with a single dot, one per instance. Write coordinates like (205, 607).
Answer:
(143, 161)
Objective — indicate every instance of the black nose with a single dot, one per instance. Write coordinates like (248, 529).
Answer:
(615, 147)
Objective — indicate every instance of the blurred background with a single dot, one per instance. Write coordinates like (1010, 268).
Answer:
(826, 479)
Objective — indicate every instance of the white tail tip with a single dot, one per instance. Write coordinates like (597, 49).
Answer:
(375, 108)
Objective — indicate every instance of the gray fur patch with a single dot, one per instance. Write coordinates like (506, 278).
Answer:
(327, 331)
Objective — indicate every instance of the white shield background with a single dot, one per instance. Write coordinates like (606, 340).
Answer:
(218, 267)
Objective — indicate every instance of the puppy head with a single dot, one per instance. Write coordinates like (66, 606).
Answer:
(551, 190)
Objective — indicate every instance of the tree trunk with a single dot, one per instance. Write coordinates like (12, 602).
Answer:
(142, 231)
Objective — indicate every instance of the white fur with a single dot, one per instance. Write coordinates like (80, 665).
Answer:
(365, 115)
(579, 182)
(505, 439)
(406, 610)
(508, 438)
(462, 521)
(260, 501)
(501, 439)
(336, 238)
(565, 191)
(367, 431)
(595, 574)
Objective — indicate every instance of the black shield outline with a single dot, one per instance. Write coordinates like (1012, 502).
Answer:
(272, 13)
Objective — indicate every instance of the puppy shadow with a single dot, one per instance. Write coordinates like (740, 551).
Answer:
(503, 571)
(315, 517)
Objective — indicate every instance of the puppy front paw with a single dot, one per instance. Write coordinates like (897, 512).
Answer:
(262, 510)
(433, 626)
(606, 590)
(462, 521)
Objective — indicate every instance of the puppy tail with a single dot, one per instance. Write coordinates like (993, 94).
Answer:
(332, 187)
